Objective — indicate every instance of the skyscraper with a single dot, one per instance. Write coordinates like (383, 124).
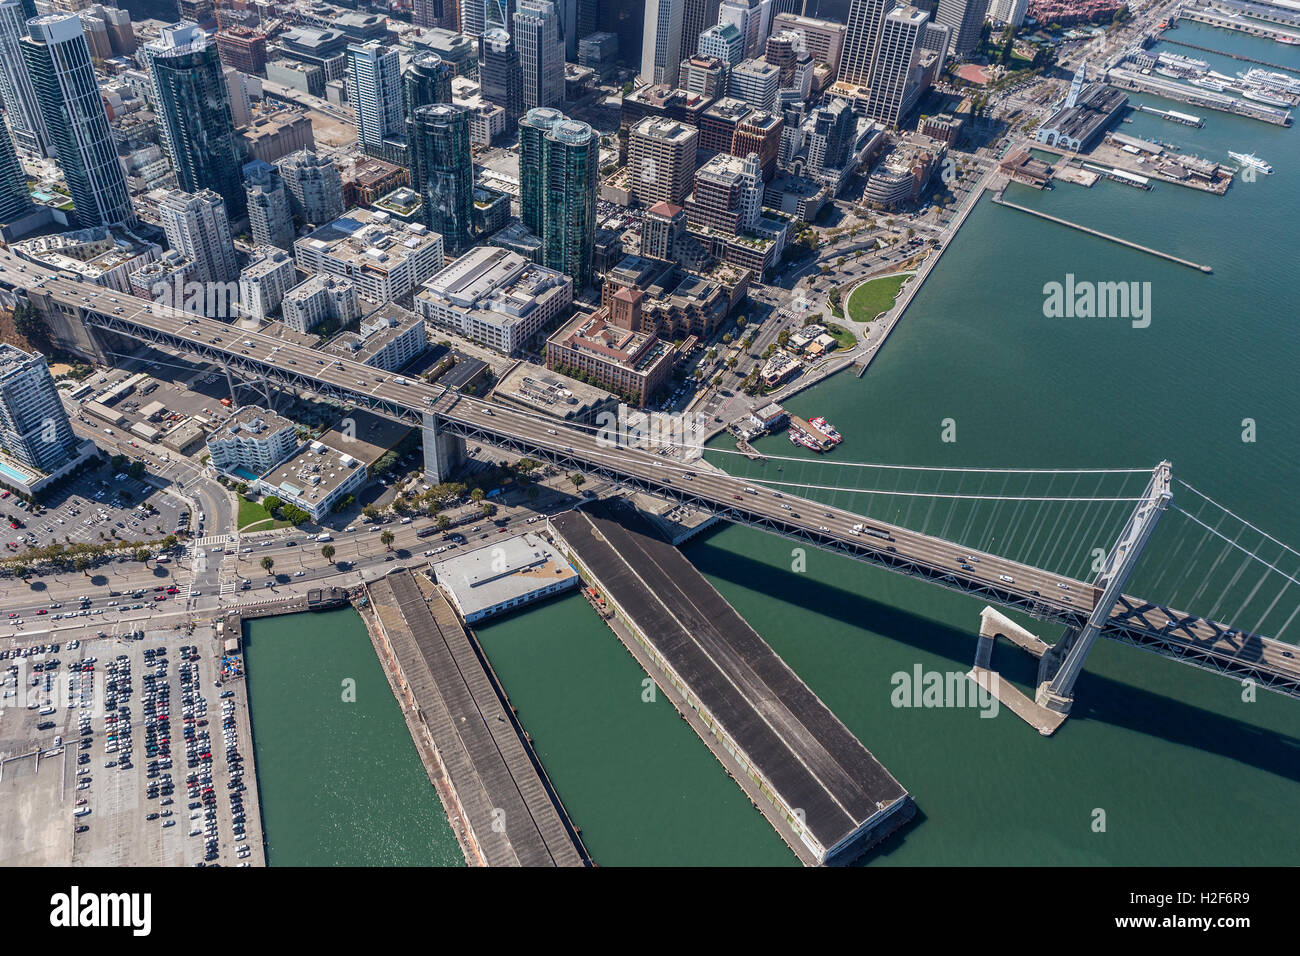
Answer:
(661, 45)
(58, 61)
(270, 217)
(196, 125)
(697, 16)
(479, 16)
(15, 201)
(894, 89)
(436, 13)
(965, 18)
(197, 227)
(559, 176)
(34, 427)
(541, 52)
(427, 80)
(23, 111)
(500, 80)
(443, 173)
(723, 41)
(374, 82)
(865, 20)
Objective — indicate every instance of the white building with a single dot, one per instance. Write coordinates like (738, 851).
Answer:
(251, 442)
(389, 338)
(107, 256)
(540, 42)
(756, 82)
(661, 43)
(197, 227)
(496, 298)
(267, 277)
(314, 478)
(385, 259)
(375, 90)
(1010, 12)
(321, 298)
(502, 576)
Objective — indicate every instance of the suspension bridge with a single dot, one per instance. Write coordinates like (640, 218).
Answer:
(1070, 547)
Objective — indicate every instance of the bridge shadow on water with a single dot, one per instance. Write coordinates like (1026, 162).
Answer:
(1097, 698)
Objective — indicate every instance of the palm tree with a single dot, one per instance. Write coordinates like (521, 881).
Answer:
(327, 552)
(267, 564)
(386, 539)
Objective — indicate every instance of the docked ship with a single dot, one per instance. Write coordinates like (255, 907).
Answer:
(1250, 159)
(1268, 99)
(1217, 85)
(1271, 80)
(827, 429)
(799, 437)
(1288, 40)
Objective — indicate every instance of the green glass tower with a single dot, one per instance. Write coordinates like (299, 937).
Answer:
(196, 125)
(15, 201)
(559, 163)
(443, 173)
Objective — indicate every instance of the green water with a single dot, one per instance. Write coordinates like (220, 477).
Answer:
(339, 780)
(1183, 771)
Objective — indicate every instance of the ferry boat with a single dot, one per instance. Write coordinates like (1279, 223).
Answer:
(1289, 41)
(798, 437)
(1250, 159)
(827, 429)
(1267, 99)
(1209, 84)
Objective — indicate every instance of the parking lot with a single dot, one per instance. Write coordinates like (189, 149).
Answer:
(137, 755)
(94, 508)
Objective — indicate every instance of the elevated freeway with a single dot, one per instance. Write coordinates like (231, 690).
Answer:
(448, 418)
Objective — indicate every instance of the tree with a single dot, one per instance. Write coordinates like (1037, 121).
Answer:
(577, 479)
(81, 563)
(476, 495)
(443, 522)
(386, 539)
(328, 552)
(268, 563)
(142, 555)
(22, 570)
(136, 470)
(272, 504)
(525, 466)
(741, 321)
(117, 462)
(370, 512)
(717, 380)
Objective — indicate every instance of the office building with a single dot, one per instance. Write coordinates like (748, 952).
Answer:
(964, 18)
(697, 16)
(58, 61)
(599, 52)
(559, 179)
(895, 85)
(275, 133)
(270, 216)
(723, 41)
(540, 44)
(1010, 12)
(752, 18)
(315, 187)
(197, 227)
(102, 255)
(866, 17)
(251, 442)
(499, 73)
(436, 13)
(193, 108)
(389, 338)
(320, 298)
(315, 478)
(385, 260)
(613, 353)
(442, 172)
(755, 82)
(427, 80)
(703, 75)
(374, 83)
(496, 298)
(661, 45)
(270, 273)
(661, 160)
(242, 48)
(823, 39)
(22, 109)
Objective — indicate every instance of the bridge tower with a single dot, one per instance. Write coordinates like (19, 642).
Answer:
(1059, 667)
(443, 451)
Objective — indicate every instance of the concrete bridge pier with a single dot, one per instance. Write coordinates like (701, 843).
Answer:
(443, 451)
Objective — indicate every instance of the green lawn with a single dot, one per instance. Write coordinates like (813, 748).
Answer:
(843, 337)
(874, 297)
(252, 513)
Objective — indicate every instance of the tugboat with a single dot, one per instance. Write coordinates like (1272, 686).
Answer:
(827, 429)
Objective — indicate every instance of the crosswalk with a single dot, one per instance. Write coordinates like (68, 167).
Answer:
(215, 539)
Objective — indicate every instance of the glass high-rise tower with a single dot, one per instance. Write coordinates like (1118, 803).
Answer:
(193, 103)
(21, 107)
(559, 173)
(58, 61)
(443, 173)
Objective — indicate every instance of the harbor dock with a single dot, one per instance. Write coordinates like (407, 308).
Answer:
(823, 792)
(1186, 119)
(1103, 235)
(500, 803)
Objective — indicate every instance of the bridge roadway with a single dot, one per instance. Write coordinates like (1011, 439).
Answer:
(1044, 595)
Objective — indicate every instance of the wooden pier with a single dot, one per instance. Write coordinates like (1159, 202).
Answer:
(1104, 235)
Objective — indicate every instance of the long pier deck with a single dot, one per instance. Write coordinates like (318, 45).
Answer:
(823, 792)
(510, 814)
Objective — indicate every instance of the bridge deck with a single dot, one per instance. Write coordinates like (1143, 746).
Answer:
(779, 727)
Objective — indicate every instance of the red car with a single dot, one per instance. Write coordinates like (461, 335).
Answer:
(42, 611)
(160, 597)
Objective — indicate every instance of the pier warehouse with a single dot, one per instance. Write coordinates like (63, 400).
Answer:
(502, 576)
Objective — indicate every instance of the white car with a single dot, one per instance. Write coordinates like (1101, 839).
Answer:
(298, 574)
